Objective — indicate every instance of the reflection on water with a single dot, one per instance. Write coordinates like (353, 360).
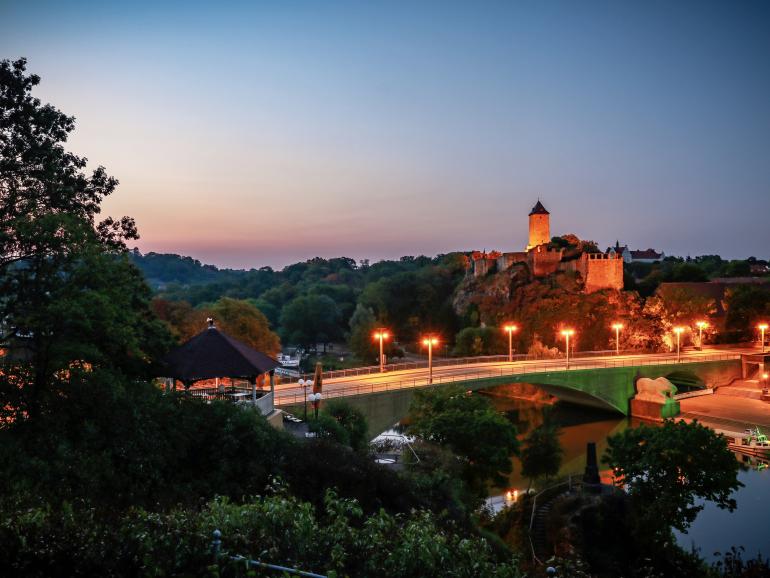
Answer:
(578, 426)
(714, 529)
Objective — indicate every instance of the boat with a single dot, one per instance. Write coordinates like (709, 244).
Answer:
(752, 442)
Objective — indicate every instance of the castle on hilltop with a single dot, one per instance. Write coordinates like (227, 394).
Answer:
(598, 270)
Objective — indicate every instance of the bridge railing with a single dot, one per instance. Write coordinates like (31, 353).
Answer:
(445, 361)
(543, 366)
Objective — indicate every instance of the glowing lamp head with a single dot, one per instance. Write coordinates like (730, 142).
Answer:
(765, 376)
(430, 341)
(568, 332)
(617, 326)
(701, 324)
(510, 328)
(762, 326)
(381, 334)
(678, 330)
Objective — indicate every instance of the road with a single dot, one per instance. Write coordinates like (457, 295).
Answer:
(290, 393)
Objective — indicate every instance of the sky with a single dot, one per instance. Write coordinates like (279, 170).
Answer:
(262, 133)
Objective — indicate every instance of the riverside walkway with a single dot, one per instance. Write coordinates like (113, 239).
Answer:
(602, 379)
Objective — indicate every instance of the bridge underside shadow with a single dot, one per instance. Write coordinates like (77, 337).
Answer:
(609, 388)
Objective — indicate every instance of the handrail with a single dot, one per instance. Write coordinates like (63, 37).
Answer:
(406, 365)
(546, 366)
(568, 483)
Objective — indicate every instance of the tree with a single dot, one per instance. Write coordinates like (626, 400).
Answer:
(666, 469)
(481, 341)
(746, 306)
(70, 298)
(242, 320)
(362, 325)
(352, 420)
(469, 426)
(309, 320)
(542, 452)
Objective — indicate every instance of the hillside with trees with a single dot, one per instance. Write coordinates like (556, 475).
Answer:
(324, 301)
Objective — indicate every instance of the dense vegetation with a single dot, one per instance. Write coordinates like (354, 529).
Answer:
(334, 300)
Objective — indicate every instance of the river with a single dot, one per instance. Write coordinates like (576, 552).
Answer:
(713, 530)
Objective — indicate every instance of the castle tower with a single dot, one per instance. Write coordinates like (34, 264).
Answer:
(539, 226)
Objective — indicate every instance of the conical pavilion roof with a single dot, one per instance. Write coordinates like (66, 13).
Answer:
(539, 209)
(212, 354)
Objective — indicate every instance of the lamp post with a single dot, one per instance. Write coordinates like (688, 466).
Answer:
(764, 383)
(304, 384)
(315, 399)
(617, 327)
(567, 333)
(678, 331)
(381, 334)
(762, 328)
(510, 328)
(430, 342)
(701, 325)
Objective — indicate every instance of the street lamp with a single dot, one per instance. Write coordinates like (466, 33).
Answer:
(315, 399)
(567, 333)
(617, 327)
(678, 331)
(762, 328)
(381, 334)
(701, 325)
(304, 384)
(430, 341)
(510, 328)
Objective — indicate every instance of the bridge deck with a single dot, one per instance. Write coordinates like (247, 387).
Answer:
(491, 372)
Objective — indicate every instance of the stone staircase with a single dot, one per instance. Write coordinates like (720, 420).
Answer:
(747, 388)
(539, 537)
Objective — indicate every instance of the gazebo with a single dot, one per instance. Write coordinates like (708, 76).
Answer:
(212, 354)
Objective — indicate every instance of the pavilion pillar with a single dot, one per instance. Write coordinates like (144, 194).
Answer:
(253, 382)
(272, 382)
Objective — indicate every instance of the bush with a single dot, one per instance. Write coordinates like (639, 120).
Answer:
(278, 529)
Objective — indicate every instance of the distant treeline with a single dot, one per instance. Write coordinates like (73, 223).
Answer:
(333, 300)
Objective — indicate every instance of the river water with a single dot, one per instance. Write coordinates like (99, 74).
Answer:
(714, 530)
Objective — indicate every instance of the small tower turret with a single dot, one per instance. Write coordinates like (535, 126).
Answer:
(539, 226)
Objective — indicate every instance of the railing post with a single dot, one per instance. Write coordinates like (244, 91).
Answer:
(216, 545)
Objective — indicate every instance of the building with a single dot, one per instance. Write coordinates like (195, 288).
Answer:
(621, 250)
(647, 256)
(598, 270)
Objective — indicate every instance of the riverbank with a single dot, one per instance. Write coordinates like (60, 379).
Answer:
(726, 413)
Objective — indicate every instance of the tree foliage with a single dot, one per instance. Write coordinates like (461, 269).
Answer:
(667, 469)
(541, 454)
(70, 296)
(483, 439)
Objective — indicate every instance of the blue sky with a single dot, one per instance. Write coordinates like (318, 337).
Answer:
(261, 133)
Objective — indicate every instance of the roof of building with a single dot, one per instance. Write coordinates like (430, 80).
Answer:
(618, 248)
(539, 209)
(646, 254)
(212, 354)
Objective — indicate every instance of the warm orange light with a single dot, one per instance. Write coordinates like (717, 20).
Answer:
(567, 332)
(430, 341)
(762, 326)
(381, 335)
(510, 328)
(701, 324)
(617, 326)
(765, 376)
(678, 330)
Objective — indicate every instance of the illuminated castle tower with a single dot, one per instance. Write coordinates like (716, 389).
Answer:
(539, 226)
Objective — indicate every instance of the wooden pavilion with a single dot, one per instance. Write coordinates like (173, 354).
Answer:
(215, 355)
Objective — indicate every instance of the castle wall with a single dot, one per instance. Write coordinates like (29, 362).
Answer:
(539, 230)
(543, 262)
(601, 271)
(483, 266)
(506, 260)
